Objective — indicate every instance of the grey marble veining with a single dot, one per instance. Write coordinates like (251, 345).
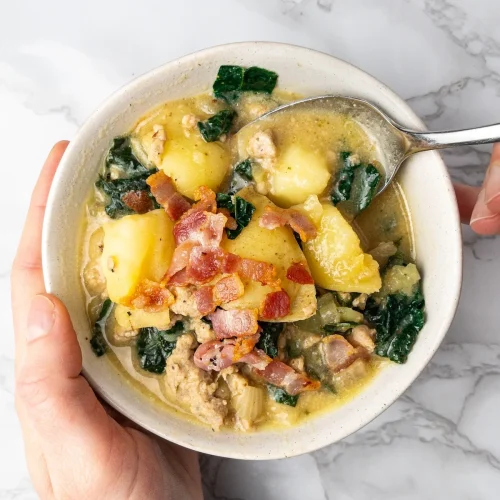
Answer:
(59, 60)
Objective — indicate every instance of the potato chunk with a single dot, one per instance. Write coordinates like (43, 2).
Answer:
(299, 173)
(134, 319)
(191, 162)
(336, 259)
(278, 247)
(136, 247)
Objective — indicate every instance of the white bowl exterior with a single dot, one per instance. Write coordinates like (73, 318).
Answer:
(426, 184)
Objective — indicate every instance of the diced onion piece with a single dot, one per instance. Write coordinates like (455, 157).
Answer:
(249, 404)
(312, 324)
(349, 315)
(328, 310)
(400, 279)
(383, 251)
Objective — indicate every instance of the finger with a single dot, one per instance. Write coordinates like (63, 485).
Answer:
(492, 181)
(484, 221)
(466, 199)
(58, 402)
(26, 277)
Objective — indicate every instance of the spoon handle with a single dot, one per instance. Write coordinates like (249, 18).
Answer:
(424, 141)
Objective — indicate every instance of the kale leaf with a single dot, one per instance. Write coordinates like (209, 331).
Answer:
(398, 319)
(258, 79)
(155, 346)
(281, 396)
(225, 201)
(116, 188)
(341, 190)
(356, 183)
(229, 82)
(232, 80)
(268, 341)
(121, 156)
(217, 125)
(244, 169)
(240, 209)
(242, 175)
(97, 341)
(365, 184)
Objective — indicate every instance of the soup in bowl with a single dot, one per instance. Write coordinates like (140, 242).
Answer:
(242, 277)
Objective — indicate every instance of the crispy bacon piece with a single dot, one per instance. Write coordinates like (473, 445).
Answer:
(275, 305)
(205, 300)
(279, 374)
(204, 264)
(138, 201)
(224, 291)
(206, 200)
(256, 270)
(234, 323)
(216, 355)
(274, 217)
(339, 353)
(163, 189)
(198, 222)
(231, 221)
(180, 259)
(180, 278)
(152, 297)
(298, 273)
(228, 289)
(205, 228)
(190, 223)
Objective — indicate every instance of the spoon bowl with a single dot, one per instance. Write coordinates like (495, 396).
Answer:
(394, 143)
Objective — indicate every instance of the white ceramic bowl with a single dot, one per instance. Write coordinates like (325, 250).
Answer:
(426, 184)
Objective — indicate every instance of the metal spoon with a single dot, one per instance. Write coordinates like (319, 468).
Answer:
(396, 143)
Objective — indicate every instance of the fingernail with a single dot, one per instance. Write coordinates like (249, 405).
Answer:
(481, 211)
(492, 183)
(40, 318)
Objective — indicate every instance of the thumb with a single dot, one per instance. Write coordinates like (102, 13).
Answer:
(56, 400)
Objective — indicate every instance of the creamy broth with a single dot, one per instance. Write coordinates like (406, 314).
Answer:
(318, 136)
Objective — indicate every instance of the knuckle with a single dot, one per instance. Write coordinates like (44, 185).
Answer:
(33, 392)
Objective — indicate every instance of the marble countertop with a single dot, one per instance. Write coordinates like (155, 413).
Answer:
(59, 59)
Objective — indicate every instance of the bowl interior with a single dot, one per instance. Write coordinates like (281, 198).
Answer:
(426, 184)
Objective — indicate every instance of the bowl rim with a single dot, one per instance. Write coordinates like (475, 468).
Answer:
(95, 118)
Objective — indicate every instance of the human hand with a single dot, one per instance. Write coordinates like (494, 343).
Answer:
(74, 449)
(480, 207)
